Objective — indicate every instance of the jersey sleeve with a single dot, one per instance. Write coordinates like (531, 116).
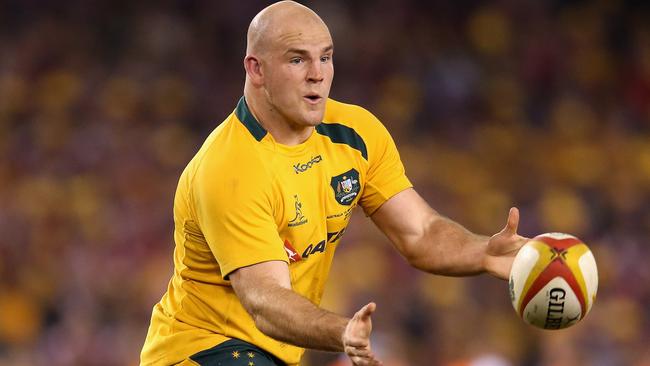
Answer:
(386, 175)
(234, 209)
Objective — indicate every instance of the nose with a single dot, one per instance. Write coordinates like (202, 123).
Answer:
(315, 72)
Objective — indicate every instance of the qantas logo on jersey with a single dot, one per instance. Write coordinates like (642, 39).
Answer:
(311, 249)
(291, 253)
(299, 168)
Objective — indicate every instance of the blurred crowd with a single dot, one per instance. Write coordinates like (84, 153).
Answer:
(543, 105)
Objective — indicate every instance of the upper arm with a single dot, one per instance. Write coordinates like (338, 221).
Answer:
(404, 219)
(251, 283)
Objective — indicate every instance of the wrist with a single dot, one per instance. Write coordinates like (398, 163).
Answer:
(484, 265)
(344, 333)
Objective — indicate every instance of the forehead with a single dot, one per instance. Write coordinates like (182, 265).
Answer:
(302, 35)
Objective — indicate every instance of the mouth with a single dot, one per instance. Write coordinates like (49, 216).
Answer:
(313, 98)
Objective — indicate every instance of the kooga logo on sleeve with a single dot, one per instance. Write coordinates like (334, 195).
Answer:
(299, 168)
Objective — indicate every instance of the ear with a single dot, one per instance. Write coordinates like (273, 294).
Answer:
(253, 66)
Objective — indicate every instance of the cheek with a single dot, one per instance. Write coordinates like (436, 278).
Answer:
(288, 79)
(329, 72)
(277, 85)
(284, 91)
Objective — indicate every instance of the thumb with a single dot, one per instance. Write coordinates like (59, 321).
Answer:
(513, 221)
(366, 311)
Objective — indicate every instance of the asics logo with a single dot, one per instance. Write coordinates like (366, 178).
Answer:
(299, 168)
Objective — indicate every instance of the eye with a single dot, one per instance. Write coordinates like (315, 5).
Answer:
(296, 60)
(324, 59)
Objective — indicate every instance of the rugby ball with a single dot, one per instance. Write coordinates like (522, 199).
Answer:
(553, 281)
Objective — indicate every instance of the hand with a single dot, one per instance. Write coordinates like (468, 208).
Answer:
(503, 246)
(356, 338)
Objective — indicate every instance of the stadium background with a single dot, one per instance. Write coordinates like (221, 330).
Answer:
(540, 104)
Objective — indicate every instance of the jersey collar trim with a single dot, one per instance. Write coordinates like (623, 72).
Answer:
(342, 134)
(245, 116)
(336, 132)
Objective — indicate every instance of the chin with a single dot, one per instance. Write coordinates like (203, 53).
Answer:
(313, 122)
(313, 118)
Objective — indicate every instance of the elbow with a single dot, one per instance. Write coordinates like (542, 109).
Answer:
(416, 247)
(265, 326)
(254, 307)
(414, 257)
(423, 250)
(428, 265)
(422, 258)
(419, 263)
(259, 319)
(262, 324)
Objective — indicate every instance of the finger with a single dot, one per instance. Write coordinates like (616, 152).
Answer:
(513, 221)
(358, 352)
(357, 343)
(361, 361)
(358, 361)
(366, 311)
(365, 361)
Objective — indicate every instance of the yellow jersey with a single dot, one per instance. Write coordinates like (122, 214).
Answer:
(245, 199)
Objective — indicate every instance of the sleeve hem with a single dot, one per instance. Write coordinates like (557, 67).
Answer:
(387, 193)
(229, 268)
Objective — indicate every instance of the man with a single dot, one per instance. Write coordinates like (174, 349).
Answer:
(261, 208)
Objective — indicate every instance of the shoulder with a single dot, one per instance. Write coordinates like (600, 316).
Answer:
(350, 115)
(357, 121)
(229, 154)
(361, 120)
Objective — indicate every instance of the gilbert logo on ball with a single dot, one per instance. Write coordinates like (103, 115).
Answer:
(553, 281)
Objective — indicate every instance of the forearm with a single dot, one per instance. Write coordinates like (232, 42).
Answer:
(435, 244)
(447, 248)
(429, 241)
(289, 317)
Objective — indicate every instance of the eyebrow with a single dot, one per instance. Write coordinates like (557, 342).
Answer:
(300, 51)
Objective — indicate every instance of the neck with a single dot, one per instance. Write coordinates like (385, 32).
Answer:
(284, 131)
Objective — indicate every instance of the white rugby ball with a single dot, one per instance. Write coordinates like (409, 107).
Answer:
(553, 281)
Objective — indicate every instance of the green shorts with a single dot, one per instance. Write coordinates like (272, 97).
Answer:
(235, 352)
